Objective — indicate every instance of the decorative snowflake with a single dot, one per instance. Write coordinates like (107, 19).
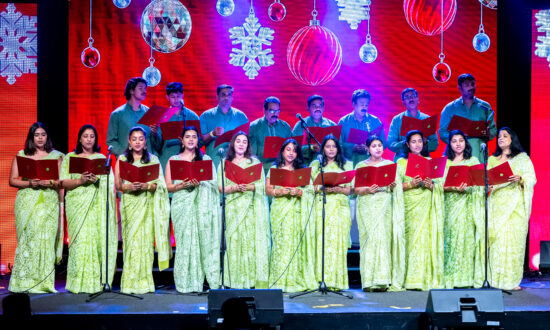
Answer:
(18, 51)
(252, 45)
(353, 11)
(543, 42)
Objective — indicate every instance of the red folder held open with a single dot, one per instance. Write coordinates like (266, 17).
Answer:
(200, 170)
(157, 114)
(272, 145)
(287, 178)
(141, 174)
(80, 165)
(173, 129)
(321, 132)
(227, 136)
(335, 178)
(241, 175)
(497, 175)
(469, 127)
(427, 126)
(43, 169)
(458, 175)
(425, 168)
(379, 175)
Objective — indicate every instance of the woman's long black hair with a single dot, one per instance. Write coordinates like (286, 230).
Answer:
(298, 161)
(198, 152)
(30, 148)
(146, 157)
(339, 159)
(231, 150)
(96, 148)
(515, 146)
(407, 150)
(449, 151)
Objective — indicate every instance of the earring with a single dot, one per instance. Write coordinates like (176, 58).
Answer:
(130, 148)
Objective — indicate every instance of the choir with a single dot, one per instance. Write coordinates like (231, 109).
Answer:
(415, 232)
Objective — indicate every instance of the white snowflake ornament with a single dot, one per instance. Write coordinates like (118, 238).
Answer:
(252, 37)
(543, 42)
(18, 54)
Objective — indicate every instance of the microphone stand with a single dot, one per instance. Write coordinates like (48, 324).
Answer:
(486, 284)
(106, 287)
(323, 289)
(222, 204)
(182, 107)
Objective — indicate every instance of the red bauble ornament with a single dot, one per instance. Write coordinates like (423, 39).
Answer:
(441, 72)
(424, 16)
(314, 55)
(276, 11)
(90, 57)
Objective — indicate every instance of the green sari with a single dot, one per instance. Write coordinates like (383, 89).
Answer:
(509, 213)
(337, 229)
(85, 207)
(247, 235)
(464, 235)
(293, 257)
(196, 221)
(145, 222)
(380, 218)
(424, 213)
(39, 230)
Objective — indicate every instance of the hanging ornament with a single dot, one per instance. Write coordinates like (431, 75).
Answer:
(251, 45)
(151, 74)
(352, 11)
(121, 3)
(225, 7)
(276, 11)
(90, 56)
(481, 41)
(441, 71)
(314, 54)
(169, 22)
(422, 15)
(491, 4)
(368, 51)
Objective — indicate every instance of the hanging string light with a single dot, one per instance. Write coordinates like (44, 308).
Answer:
(151, 74)
(368, 51)
(90, 56)
(441, 71)
(481, 41)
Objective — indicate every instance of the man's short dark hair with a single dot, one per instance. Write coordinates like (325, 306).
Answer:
(359, 93)
(313, 98)
(131, 84)
(271, 99)
(174, 87)
(407, 90)
(465, 76)
(223, 86)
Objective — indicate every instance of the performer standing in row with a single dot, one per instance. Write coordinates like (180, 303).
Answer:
(464, 228)
(509, 212)
(247, 224)
(86, 211)
(196, 221)
(337, 219)
(380, 218)
(424, 211)
(292, 265)
(144, 214)
(38, 219)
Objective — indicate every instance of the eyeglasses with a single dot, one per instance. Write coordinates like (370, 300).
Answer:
(410, 97)
(274, 111)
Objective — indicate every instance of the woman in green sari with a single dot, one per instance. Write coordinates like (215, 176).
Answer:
(144, 214)
(464, 228)
(380, 218)
(293, 258)
(337, 216)
(424, 212)
(509, 212)
(85, 209)
(38, 219)
(247, 234)
(196, 221)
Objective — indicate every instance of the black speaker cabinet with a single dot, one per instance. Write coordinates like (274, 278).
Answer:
(544, 256)
(265, 307)
(465, 308)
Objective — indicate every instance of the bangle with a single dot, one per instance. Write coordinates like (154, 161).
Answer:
(211, 133)
(148, 186)
(51, 183)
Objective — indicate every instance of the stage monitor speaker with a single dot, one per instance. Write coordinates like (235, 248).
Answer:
(544, 256)
(265, 307)
(471, 308)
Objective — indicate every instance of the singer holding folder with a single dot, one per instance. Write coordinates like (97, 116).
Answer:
(380, 218)
(424, 207)
(337, 219)
(144, 214)
(464, 228)
(293, 259)
(38, 219)
(247, 220)
(509, 212)
(85, 209)
(196, 221)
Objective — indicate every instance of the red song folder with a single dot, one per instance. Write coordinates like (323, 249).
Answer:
(497, 175)
(458, 175)
(43, 169)
(321, 132)
(142, 174)
(173, 129)
(427, 126)
(335, 178)
(227, 136)
(426, 168)
(241, 175)
(200, 170)
(287, 178)
(379, 175)
(157, 114)
(469, 127)
(272, 145)
(80, 165)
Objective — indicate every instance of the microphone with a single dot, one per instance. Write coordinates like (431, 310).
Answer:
(299, 116)
(181, 103)
(221, 151)
(483, 146)
(109, 148)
